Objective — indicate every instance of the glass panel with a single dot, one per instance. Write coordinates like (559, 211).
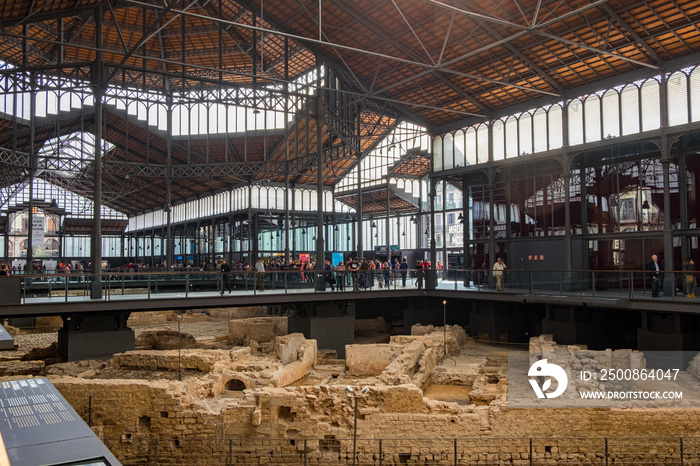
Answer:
(555, 128)
(592, 115)
(695, 95)
(437, 154)
(460, 158)
(575, 114)
(470, 141)
(611, 114)
(483, 143)
(499, 150)
(677, 85)
(511, 137)
(540, 130)
(448, 150)
(525, 133)
(651, 117)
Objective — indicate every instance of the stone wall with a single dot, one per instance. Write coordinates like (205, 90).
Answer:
(258, 330)
(247, 397)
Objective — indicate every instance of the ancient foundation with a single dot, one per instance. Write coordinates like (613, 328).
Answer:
(433, 397)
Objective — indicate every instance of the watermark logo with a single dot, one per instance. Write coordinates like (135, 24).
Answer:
(551, 371)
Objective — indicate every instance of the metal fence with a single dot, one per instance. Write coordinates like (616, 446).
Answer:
(150, 285)
(415, 451)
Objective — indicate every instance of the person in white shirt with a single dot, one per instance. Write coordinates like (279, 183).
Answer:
(260, 269)
(498, 269)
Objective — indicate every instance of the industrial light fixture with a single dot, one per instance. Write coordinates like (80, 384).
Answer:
(373, 225)
(335, 228)
(303, 232)
(404, 233)
(54, 204)
(645, 204)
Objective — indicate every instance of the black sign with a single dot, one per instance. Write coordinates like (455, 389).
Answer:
(38, 426)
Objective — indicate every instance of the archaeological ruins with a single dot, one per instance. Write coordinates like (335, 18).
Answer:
(256, 394)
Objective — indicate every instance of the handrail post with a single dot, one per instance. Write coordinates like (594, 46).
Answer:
(531, 462)
(681, 451)
(561, 283)
(149, 286)
(187, 283)
(381, 454)
(455, 449)
(606, 451)
(66, 288)
(631, 283)
(305, 453)
(593, 281)
(230, 452)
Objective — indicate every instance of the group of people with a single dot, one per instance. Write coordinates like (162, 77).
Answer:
(360, 274)
(689, 280)
(364, 273)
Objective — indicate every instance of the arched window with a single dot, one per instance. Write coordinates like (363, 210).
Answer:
(255, 197)
(555, 128)
(448, 152)
(482, 140)
(470, 146)
(298, 200)
(499, 146)
(677, 86)
(525, 133)
(695, 95)
(460, 159)
(651, 116)
(279, 193)
(629, 108)
(539, 130)
(611, 114)
(511, 130)
(575, 115)
(437, 154)
(591, 109)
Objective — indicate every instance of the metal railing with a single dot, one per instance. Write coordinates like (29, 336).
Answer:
(152, 284)
(139, 449)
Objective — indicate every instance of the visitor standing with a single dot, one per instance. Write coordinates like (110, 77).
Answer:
(498, 269)
(690, 281)
(225, 272)
(654, 275)
(260, 269)
(404, 271)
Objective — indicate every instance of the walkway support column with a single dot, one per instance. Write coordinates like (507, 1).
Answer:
(431, 277)
(98, 91)
(320, 253)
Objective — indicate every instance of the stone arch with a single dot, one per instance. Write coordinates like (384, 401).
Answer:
(235, 385)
